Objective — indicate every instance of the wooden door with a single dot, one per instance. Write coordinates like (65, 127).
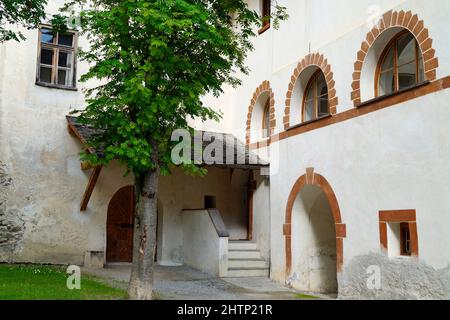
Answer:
(120, 226)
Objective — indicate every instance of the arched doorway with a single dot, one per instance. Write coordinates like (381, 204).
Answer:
(314, 235)
(120, 226)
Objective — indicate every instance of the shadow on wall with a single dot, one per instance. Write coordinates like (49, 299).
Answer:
(313, 243)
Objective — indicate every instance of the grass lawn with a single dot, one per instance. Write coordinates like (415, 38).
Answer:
(306, 297)
(35, 282)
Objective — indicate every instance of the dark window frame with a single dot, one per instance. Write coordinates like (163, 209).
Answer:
(265, 15)
(56, 48)
(266, 124)
(393, 43)
(313, 82)
(405, 239)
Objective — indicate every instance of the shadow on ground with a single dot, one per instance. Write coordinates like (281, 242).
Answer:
(184, 283)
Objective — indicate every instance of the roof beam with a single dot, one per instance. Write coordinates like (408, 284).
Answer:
(90, 187)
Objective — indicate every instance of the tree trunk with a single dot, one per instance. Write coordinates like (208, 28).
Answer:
(144, 242)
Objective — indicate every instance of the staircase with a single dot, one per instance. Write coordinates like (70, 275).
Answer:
(244, 260)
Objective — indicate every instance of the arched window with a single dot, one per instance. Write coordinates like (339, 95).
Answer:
(315, 99)
(401, 65)
(266, 120)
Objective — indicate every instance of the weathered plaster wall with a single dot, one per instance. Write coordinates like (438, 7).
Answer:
(41, 181)
(41, 205)
(400, 278)
(41, 159)
(11, 225)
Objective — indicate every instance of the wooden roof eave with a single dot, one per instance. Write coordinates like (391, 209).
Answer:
(93, 178)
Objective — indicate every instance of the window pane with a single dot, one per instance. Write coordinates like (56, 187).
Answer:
(65, 59)
(45, 75)
(421, 66)
(323, 106)
(407, 75)
(65, 39)
(47, 36)
(47, 56)
(64, 77)
(386, 84)
(309, 110)
(321, 84)
(266, 121)
(310, 92)
(388, 62)
(406, 49)
(421, 71)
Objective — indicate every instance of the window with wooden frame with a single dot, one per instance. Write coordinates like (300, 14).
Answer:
(266, 120)
(400, 227)
(401, 65)
(265, 15)
(315, 99)
(56, 65)
(405, 240)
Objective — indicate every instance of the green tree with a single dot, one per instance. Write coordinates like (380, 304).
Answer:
(155, 61)
(15, 13)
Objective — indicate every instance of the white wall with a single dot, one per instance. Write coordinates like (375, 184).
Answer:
(394, 158)
(203, 249)
(335, 30)
(393, 239)
(261, 215)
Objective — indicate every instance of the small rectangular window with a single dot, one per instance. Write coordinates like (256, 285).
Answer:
(266, 11)
(265, 15)
(405, 240)
(56, 61)
(210, 202)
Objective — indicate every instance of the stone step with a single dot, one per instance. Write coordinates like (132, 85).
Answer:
(247, 272)
(242, 245)
(244, 254)
(246, 263)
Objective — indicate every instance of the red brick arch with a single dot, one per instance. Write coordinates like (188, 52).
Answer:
(312, 178)
(406, 20)
(317, 60)
(263, 87)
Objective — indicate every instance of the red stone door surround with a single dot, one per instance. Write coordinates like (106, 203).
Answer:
(312, 178)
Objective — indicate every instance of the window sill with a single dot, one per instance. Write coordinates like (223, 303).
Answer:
(55, 86)
(387, 96)
(401, 257)
(309, 122)
(262, 141)
(264, 29)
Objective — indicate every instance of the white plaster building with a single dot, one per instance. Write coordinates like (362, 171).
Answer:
(348, 100)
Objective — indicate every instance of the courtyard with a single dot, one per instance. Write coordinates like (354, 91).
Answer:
(184, 283)
(46, 282)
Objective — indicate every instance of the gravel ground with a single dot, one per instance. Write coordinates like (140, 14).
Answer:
(184, 283)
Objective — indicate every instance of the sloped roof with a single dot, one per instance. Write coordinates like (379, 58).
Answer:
(243, 157)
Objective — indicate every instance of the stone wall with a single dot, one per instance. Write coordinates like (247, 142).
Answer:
(401, 278)
(11, 225)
